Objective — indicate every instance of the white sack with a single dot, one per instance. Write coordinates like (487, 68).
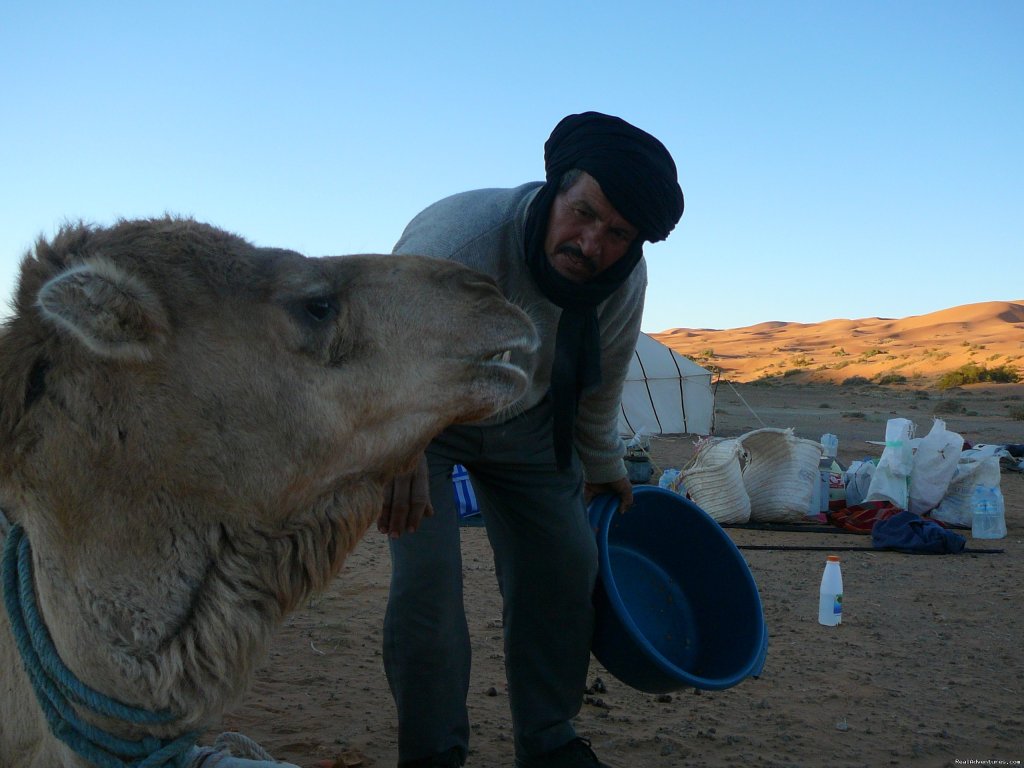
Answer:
(891, 478)
(957, 506)
(934, 464)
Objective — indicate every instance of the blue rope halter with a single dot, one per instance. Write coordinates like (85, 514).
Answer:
(58, 689)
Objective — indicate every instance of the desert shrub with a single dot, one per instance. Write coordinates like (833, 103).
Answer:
(854, 415)
(1017, 414)
(841, 364)
(801, 360)
(1004, 374)
(791, 372)
(840, 352)
(921, 394)
(871, 352)
(949, 406)
(972, 373)
(855, 381)
(893, 378)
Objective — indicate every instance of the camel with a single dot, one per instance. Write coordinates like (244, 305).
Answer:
(194, 433)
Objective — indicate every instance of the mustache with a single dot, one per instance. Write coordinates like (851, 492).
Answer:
(574, 251)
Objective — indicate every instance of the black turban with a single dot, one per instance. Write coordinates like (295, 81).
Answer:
(635, 171)
(637, 175)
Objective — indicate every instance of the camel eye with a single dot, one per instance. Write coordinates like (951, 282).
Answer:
(320, 309)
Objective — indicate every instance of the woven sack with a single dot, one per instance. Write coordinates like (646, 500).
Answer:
(714, 480)
(780, 474)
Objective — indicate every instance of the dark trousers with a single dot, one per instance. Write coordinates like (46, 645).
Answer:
(545, 556)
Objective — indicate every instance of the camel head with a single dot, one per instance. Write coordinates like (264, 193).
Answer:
(168, 354)
(194, 432)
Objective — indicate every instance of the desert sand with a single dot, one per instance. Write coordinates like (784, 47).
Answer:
(925, 669)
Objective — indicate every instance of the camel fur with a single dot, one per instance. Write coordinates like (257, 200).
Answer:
(194, 433)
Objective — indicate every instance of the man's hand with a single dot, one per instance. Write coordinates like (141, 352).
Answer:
(621, 488)
(406, 501)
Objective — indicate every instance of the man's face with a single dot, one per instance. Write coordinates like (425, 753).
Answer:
(586, 235)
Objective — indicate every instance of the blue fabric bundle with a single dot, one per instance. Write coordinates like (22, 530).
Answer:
(910, 533)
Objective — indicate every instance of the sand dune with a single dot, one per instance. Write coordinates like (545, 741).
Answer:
(920, 348)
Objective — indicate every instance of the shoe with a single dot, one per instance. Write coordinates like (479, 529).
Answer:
(451, 758)
(574, 754)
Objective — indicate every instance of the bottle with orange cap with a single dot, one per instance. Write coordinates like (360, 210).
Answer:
(830, 598)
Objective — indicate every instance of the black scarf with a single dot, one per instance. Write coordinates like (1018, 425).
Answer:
(638, 177)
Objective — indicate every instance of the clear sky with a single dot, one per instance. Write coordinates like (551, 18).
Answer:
(839, 160)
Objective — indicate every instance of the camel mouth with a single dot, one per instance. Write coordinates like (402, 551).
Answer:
(502, 362)
(525, 345)
(500, 366)
(499, 372)
(502, 358)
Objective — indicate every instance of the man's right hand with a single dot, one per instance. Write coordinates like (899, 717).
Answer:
(406, 501)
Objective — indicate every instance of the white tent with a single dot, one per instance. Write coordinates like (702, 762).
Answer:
(665, 393)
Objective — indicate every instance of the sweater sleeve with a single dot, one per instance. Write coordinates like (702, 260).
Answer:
(597, 434)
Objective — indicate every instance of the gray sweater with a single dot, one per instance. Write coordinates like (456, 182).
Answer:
(484, 229)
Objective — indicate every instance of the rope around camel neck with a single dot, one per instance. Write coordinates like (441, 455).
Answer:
(58, 689)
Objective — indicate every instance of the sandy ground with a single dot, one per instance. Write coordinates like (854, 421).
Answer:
(925, 670)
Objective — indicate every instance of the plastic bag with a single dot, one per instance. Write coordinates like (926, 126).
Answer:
(934, 464)
(639, 445)
(858, 481)
(673, 481)
(465, 496)
(892, 475)
(957, 506)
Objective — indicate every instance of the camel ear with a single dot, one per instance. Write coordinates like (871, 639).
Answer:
(113, 313)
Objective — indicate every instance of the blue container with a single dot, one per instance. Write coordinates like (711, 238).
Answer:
(676, 604)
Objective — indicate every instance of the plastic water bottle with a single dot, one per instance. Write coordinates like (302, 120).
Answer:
(988, 520)
(830, 598)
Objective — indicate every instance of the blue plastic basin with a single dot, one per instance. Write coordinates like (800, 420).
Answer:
(676, 604)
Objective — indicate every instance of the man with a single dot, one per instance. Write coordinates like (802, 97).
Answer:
(570, 252)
